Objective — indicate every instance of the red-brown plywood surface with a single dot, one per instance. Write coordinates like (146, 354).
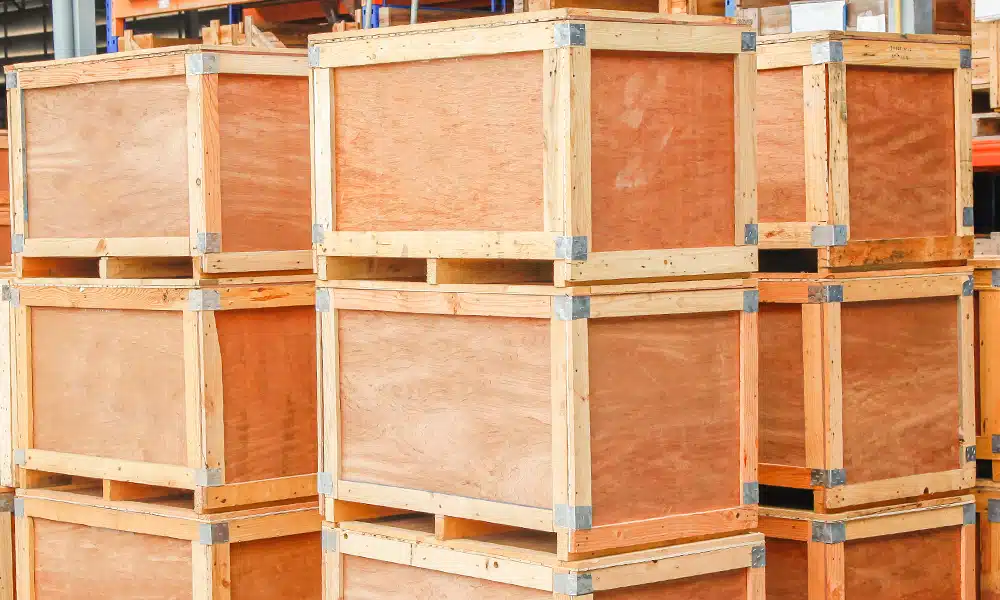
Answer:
(663, 155)
(452, 404)
(781, 168)
(288, 567)
(728, 585)
(664, 415)
(782, 386)
(453, 144)
(366, 579)
(787, 571)
(924, 565)
(901, 152)
(85, 179)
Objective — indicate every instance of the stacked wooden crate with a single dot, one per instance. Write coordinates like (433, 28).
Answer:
(538, 330)
(163, 413)
(867, 334)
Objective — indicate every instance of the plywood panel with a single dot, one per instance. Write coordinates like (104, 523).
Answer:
(664, 415)
(782, 386)
(288, 567)
(924, 565)
(781, 167)
(269, 386)
(901, 152)
(264, 140)
(92, 374)
(366, 579)
(728, 585)
(451, 144)
(901, 403)
(663, 160)
(787, 571)
(459, 405)
(74, 561)
(88, 179)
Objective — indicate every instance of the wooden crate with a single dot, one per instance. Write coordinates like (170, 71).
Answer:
(609, 145)
(190, 151)
(919, 550)
(210, 390)
(987, 316)
(616, 416)
(867, 385)
(402, 558)
(988, 538)
(857, 170)
(73, 544)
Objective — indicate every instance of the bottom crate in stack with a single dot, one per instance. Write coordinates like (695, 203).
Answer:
(400, 558)
(988, 509)
(74, 544)
(918, 550)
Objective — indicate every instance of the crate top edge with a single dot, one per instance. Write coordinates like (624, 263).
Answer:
(541, 289)
(180, 285)
(156, 52)
(795, 514)
(862, 36)
(515, 19)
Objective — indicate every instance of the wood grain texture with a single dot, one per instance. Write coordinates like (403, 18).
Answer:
(4, 206)
(901, 152)
(87, 181)
(665, 434)
(91, 376)
(366, 579)
(264, 163)
(269, 390)
(787, 570)
(781, 166)
(900, 378)
(75, 561)
(663, 158)
(924, 565)
(782, 391)
(447, 159)
(459, 405)
(727, 585)
(283, 567)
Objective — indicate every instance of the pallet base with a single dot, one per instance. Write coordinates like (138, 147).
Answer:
(197, 268)
(863, 256)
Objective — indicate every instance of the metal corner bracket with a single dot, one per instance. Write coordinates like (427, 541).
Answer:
(571, 308)
(751, 234)
(829, 533)
(209, 243)
(202, 63)
(323, 300)
(569, 34)
(965, 58)
(572, 584)
(827, 52)
(574, 517)
(571, 247)
(208, 477)
(751, 492)
(748, 41)
(758, 557)
(828, 478)
(751, 301)
(10, 80)
(828, 235)
(204, 300)
(213, 533)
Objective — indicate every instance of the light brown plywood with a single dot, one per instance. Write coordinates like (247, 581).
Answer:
(452, 144)
(900, 378)
(923, 565)
(782, 392)
(787, 570)
(664, 415)
(728, 585)
(662, 128)
(366, 579)
(91, 377)
(87, 181)
(451, 404)
(781, 172)
(75, 561)
(287, 567)
(269, 382)
(264, 162)
(901, 152)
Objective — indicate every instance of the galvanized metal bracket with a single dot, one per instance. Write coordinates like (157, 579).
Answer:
(751, 234)
(827, 52)
(995, 278)
(751, 301)
(965, 58)
(969, 514)
(572, 584)
(828, 478)
(314, 56)
(571, 308)
(17, 243)
(204, 300)
(323, 302)
(318, 233)
(202, 63)
(208, 477)
(6, 504)
(970, 454)
(995, 443)
(569, 34)
(571, 247)
(329, 540)
(20, 458)
(993, 510)
(213, 533)
(10, 80)
(751, 492)
(11, 295)
(822, 294)
(758, 557)
(748, 41)
(828, 235)
(829, 533)
(18, 507)
(574, 517)
(324, 483)
(209, 243)
(968, 286)
(968, 217)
